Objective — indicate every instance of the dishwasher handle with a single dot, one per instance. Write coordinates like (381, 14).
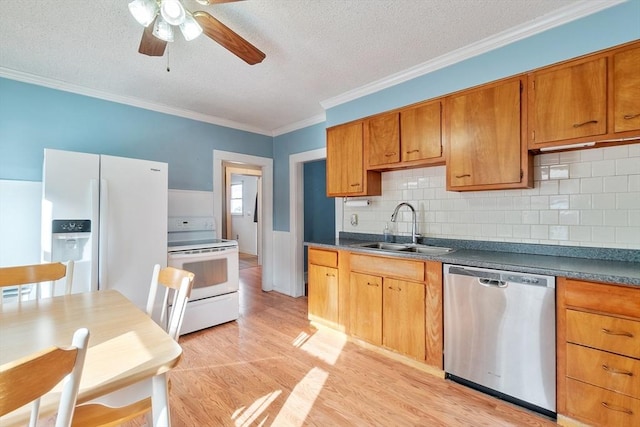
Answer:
(492, 283)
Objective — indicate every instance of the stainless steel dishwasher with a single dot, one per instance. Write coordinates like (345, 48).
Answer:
(499, 334)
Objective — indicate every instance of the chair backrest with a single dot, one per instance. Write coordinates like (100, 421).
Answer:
(27, 379)
(19, 276)
(177, 289)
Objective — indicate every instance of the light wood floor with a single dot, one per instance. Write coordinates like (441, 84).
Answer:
(271, 368)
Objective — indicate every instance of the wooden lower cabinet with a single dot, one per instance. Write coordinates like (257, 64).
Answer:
(365, 307)
(323, 286)
(598, 359)
(403, 314)
(323, 294)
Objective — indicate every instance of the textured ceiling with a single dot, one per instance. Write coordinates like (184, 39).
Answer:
(315, 50)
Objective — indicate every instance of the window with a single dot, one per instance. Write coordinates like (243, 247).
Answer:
(235, 205)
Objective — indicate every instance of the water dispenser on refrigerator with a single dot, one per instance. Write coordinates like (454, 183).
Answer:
(69, 239)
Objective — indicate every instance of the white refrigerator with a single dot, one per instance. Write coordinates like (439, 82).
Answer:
(109, 215)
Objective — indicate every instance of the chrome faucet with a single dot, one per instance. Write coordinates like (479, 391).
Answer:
(394, 215)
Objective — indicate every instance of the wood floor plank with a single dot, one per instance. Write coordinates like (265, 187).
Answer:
(272, 368)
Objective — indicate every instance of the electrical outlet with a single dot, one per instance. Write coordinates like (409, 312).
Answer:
(354, 219)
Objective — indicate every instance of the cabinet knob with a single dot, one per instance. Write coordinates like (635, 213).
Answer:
(589, 122)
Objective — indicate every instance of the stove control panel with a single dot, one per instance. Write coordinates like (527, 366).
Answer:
(192, 223)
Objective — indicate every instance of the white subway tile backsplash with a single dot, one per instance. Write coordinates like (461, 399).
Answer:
(580, 170)
(581, 198)
(628, 166)
(591, 185)
(603, 168)
(615, 184)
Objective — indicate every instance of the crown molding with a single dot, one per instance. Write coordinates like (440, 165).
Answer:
(81, 90)
(559, 17)
(320, 118)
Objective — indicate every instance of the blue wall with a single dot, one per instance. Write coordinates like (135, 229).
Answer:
(307, 139)
(319, 223)
(34, 117)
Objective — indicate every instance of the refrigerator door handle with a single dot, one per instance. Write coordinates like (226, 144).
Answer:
(94, 189)
(104, 219)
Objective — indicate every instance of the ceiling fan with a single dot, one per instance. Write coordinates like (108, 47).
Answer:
(159, 17)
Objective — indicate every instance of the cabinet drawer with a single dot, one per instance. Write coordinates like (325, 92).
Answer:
(610, 371)
(601, 407)
(320, 257)
(607, 333)
(388, 267)
(610, 299)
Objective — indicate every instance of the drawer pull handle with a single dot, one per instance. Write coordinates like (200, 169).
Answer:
(630, 116)
(617, 408)
(589, 122)
(616, 371)
(413, 151)
(355, 185)
(331, 275)
(372, 284)
(390, 154)
(462, 176)
(619, 333)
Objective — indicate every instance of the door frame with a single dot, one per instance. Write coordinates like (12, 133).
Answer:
(266, 208)
(296, 216)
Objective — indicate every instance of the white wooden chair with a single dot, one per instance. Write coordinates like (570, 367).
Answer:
(115, 408)
(22, 280)
(25, 380)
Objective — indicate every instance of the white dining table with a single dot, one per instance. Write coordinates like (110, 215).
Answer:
(125, 346)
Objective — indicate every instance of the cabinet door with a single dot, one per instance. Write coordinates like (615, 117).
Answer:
(323, 293)
(420, 129)
(345, 170)
(366, 307)
(626, 90)
(568, 102)
(484, 137)
(404, 317)
(383, 139)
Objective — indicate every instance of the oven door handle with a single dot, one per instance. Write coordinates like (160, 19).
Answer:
(204, 255)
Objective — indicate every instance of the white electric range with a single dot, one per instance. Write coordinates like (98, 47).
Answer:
(193, 245)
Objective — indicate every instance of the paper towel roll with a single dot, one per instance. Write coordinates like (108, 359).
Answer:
(357, 203)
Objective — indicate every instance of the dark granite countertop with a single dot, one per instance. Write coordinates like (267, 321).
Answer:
(596, 264)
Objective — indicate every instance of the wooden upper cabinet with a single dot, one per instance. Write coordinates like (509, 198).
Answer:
(345, 165)
(626, 90)
(421, 132)
(410, 137)
(568, 101)
(382, 134)
(484, 138)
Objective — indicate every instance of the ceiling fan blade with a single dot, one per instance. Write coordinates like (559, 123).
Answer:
(226, 37)
(150, 44)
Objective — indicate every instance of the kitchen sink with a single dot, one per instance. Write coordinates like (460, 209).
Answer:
(428, 250)
(406, 247)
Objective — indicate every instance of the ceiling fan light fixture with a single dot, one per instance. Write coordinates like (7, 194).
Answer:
(172, 11)
(190, 28)
(204, 2)
(144, 11)
(162, 30)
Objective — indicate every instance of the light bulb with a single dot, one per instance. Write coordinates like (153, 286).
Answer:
(172, 11)
(163, 30)
(190, 28)
(144, 11)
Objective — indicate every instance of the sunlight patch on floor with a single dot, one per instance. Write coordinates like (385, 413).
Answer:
(325, 344)
(244, 416)
(299, 403)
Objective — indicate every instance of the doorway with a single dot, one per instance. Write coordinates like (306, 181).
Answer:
(265, 205)
(243, 199)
